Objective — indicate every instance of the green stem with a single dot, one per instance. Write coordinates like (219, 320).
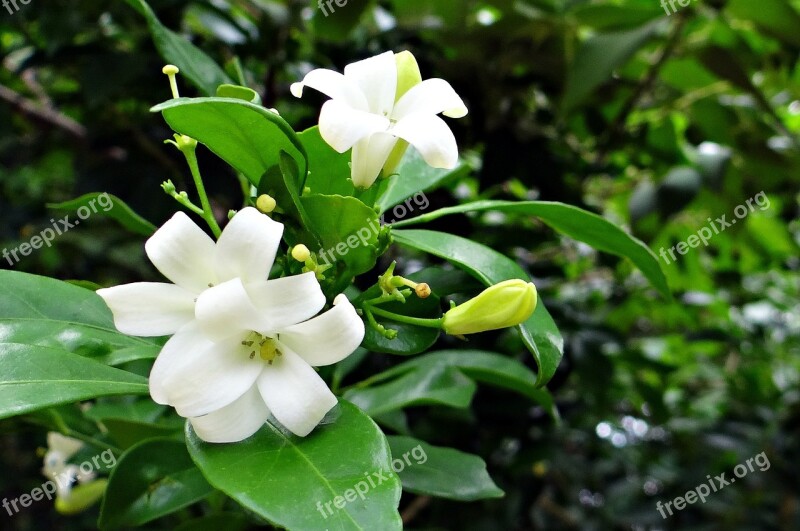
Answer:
(208, 214)
(416, 321)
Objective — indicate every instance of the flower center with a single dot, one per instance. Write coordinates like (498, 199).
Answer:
(266, 347)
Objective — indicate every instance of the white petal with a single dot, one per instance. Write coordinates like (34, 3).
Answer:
(334, 85)
(377, 79)
(342, 126)
(149, 308)
(64, 446)
(294, 393)
(226, 310)
(183, 253)
(234, 422)
(432, 138)
(432, 96)
(369, 157)
(327, 338)
(197, 376)
(247, 247)
(286, 301)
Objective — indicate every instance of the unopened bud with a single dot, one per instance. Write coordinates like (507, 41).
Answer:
(301, 253)
(422, 290)
(505, 304)
(266, 203)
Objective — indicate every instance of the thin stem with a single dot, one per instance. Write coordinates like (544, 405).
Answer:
(207, 214)
(416, 321)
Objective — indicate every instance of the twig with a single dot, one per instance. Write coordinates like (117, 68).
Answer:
(48, 115)
(414, 508)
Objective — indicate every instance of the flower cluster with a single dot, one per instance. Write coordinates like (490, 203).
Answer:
(243, 346)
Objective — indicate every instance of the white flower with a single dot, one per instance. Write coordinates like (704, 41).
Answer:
(244, 346)
(364, 114)
(56, 467)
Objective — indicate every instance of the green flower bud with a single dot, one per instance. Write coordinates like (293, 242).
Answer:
(505, 304)
(81, 497)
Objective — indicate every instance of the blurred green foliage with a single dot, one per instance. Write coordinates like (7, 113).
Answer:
(655, 121)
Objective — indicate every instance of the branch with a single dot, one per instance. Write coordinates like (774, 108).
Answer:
(48, 115)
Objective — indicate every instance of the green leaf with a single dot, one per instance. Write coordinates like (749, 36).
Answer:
(480, 366)
(238, 92)
(441, 472)
(51, 329)
(539, 333)
(347, 229)
(440, 386)
(295, 482)
(414, 175)
(329, 171)
(775, 17)
(574, 222)
(46, 312)
(114, 208)
(35, 377)
(151, 480)
(598, 57)
(247, 136)
(198, 67)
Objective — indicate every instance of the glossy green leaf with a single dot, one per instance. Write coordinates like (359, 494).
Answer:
(414, 176)
(599, 56)
(347, 229)
(441, 386)
(151, 480)
(441, 472)
(46, 312)
(489, 368)
(111, 206)
(239, 93)
(329, 171)
(51, 329)
(574, 222)
(198, 67)
(247, 136)
(35, 377)
(539, 333)
(296, 482)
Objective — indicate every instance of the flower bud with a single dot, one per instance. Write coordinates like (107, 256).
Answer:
(266, 203)
(505, 304)
(81, 497)
(301, 253)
